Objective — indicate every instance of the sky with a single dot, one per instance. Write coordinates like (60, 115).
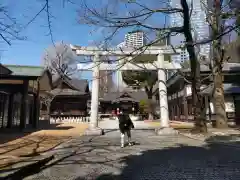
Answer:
(64, 28)
(64, 25)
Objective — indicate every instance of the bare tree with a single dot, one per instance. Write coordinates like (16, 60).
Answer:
(139, 14)
(9, 26)
(218, 14)
(60, 60)
(218, 58)
(119, 14)
(46, 99)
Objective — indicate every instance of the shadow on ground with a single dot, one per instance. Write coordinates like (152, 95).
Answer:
(210, 162)
(7, 135)
(19, 147)
(215, 160)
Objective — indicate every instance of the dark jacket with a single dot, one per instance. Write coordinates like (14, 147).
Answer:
(125, 123)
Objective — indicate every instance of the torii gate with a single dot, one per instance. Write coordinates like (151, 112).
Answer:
(151, 52)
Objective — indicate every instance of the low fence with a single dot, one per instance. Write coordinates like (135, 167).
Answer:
(79, 119)
(211, 118)
(69, 119)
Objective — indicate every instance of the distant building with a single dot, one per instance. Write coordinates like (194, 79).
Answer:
(180, 94)
(135, 39)
(199, 25)
(70, 99)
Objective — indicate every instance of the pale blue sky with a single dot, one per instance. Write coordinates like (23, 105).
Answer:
(65, 27)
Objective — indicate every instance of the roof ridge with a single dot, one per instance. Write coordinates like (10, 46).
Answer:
(17, 65)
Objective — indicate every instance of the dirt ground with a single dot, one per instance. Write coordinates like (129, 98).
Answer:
(16, 147)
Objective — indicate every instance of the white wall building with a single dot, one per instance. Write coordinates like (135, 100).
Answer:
(119, 81)
(135, 39)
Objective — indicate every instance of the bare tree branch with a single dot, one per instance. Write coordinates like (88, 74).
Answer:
(59, 59)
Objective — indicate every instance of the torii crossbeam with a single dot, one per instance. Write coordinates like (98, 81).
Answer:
(126, 54)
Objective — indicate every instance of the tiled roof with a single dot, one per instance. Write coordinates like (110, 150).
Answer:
(227, 67)
(67, 92)
(134, 95)
(125, 99)
(228, 89)
(78, 85)
(20, 70)
(4, 70)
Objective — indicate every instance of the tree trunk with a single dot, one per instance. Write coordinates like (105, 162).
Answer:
(150, 108)
(150, 103)
(218, 58)
(197, 101)
(219, 102)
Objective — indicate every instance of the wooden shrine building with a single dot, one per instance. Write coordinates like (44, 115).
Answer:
(19, 94)
(122, 100)
(127, 100)
(70, 98)
(179, 93)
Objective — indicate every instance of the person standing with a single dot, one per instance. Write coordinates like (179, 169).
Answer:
(125, 126)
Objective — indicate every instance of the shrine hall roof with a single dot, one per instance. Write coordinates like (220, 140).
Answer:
(228, 68)
(228, 88)
(232, 67)
(134, 96)
(4, 70)
(22, 70)
(67, 92)
(76, 86)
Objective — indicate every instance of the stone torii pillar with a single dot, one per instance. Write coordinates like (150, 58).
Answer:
(159, 65)
(162, 88)
(165, 128)
(93, 128)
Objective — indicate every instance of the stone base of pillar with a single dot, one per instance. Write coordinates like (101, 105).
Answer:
(166, 131)
(94, 132)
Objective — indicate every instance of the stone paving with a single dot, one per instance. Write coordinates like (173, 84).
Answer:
(152, 157)
(113, 124)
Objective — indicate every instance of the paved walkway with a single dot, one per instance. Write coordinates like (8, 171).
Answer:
(152, 157)
(113, 124)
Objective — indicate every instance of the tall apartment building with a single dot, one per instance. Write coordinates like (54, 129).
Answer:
(199, 25)
(135, 39)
